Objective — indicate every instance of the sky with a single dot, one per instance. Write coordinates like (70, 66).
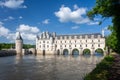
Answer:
(32, 17)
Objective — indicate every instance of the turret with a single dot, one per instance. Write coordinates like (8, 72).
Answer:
(54, 34)
(19, 44)
(103, 32)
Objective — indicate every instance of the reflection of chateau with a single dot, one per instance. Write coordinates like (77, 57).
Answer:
(50, 43)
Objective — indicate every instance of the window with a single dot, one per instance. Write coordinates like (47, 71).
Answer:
(60, 45)
(86, 40)
(47, 45)
(75, 45)
(80, 46)
(75, 41)
(86, 45)
(69, 41)
(61, 41)
(43, 41)
(40, 46)
(67, 37)
(92, 45)
(65, 45)
(92, 40)
(72, 37)
(69, 45)
(98, 40)
(62, 37)
(98, 45)
(65, 41)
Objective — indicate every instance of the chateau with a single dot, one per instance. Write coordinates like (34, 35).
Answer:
(51, 43)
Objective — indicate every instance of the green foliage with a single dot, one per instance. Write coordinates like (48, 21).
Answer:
(109, 8)
(12, 45)
(106, 8)
(99, 50)
(6, 45)
(111, 40)
(27, 46)
(116, 24)
(101, 70)
(109, 58)
(86, 51)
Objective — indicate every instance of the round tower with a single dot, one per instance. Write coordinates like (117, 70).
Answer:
(19, 44)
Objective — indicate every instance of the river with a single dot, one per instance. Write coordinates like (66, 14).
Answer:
(47, 67)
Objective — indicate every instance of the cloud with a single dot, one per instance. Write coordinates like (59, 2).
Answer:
(75, 27)
(13, 4)
(3, 31)
(76, 6)
(9, 18)
(11, 36)
(65, 14)
(20, 17)
(28, 32)
(46, 21)
(77, 15)
(27, 28)
(93, 23)
(1, 23)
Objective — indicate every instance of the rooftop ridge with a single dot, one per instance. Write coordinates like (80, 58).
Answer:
(79, 34)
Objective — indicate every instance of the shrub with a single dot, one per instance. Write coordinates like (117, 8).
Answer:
(101, 70)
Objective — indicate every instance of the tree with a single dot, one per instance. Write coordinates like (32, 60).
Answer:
(111, 40)
(108, 8)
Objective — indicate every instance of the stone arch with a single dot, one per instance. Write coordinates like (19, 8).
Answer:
(65, 52)
(99, 51)
(86, 51)
(30, 52)
(75, 51)
(58, 52)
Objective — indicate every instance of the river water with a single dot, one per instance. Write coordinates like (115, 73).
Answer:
(47, 67)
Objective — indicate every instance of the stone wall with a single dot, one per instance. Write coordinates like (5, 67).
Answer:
(4, 53)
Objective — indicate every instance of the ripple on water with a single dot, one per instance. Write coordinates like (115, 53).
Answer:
(46, 67)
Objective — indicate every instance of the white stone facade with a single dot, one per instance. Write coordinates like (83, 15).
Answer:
(50, 43)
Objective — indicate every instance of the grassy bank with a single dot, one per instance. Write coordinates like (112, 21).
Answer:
(101, 72)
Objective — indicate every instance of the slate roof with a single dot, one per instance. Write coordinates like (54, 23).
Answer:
(78, 35)
(19, 37)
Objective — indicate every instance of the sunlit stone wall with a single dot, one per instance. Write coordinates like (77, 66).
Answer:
(50, 43)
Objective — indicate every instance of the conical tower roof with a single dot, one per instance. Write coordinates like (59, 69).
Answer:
(19, 36)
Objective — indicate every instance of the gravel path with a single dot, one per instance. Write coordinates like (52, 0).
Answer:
(115, 69)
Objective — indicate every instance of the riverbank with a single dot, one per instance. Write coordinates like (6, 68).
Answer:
(115, 69)
(107, 69)
(4, 53)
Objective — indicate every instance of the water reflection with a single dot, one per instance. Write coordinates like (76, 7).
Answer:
(47, 67)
